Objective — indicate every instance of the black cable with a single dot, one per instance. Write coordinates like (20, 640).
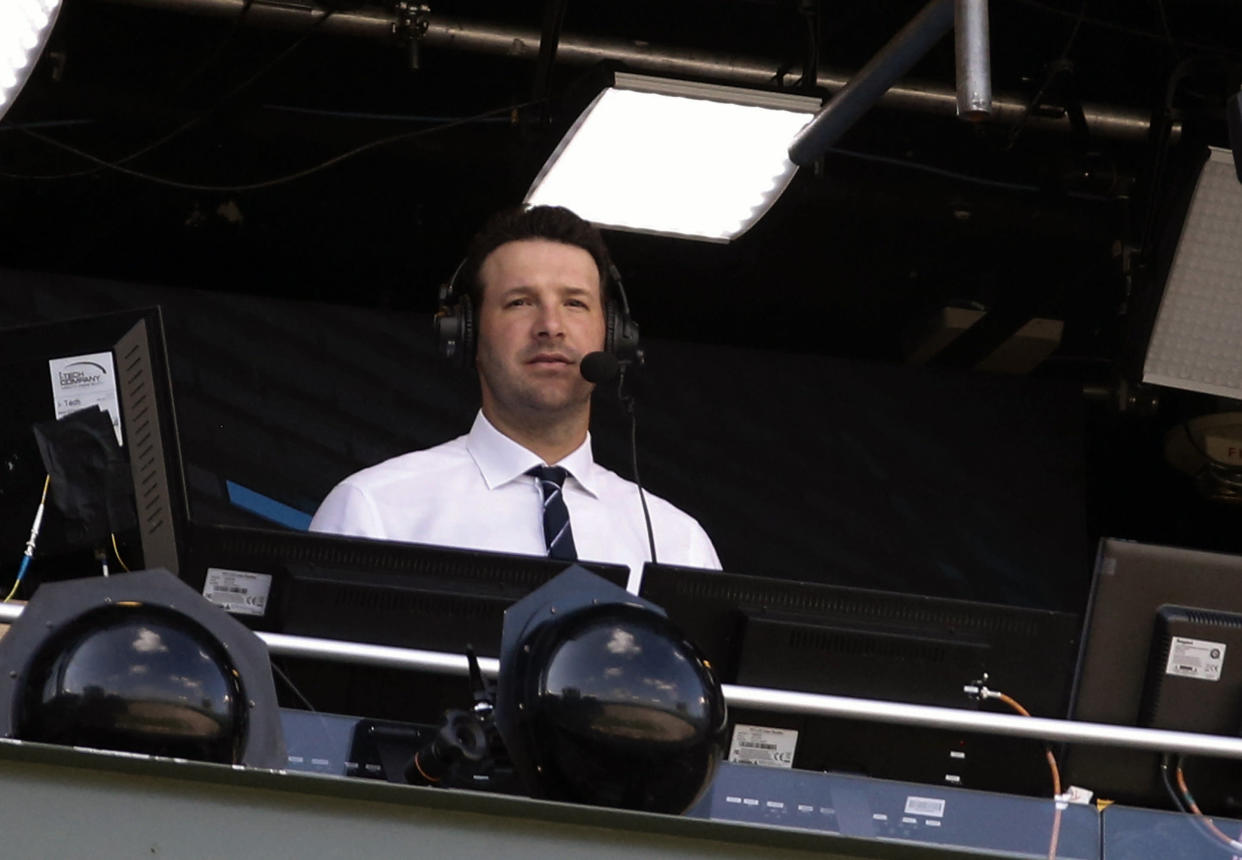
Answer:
(268, 183)
(370, 115)
(627, 400)
(326, 734)
(45, 123)
(810, 71)
(1069, 43)
(219, 49)
(965, 177)
(1062, 60)
(188, 124)
(1129, 31)
(1164, 23)
(1165, 763)
(276, 670)
(1161, 144)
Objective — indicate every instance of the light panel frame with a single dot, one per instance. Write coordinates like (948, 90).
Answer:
(1196, 343)
(648, 171)
(24, 29)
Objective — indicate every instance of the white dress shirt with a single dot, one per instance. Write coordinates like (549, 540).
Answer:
(473, 492)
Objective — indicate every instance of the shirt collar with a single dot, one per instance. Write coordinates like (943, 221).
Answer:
(501, 460)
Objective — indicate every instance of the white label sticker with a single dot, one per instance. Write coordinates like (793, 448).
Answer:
(925, 806)
(238, 591)
(83, 381)
(764, 746)
(1195, 658)
(1077, 794)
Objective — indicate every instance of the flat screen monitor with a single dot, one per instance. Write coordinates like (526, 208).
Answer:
(362, 590)
(813, 637)
(117, 362)
(1162, 648)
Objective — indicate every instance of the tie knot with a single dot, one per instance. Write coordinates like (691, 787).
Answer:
(550, 474)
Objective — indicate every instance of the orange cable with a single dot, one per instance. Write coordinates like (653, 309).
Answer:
(1056, 777)
(1197, 812)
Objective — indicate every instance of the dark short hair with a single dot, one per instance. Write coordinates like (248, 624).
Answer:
(554, 223)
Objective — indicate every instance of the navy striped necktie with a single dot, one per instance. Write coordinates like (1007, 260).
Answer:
(557, 534)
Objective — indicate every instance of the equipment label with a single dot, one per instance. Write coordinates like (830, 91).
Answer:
(932, 807)
(763, 746)
(238, 591)
(83, 381)
(1195, 658)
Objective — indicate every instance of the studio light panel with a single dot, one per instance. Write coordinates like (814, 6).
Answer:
(24, 27)
(675, 158)
(1196, 343)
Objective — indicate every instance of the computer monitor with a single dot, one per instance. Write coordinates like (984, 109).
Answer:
(118, 362)
(362, 590)
(1162, 648)
(784, 634)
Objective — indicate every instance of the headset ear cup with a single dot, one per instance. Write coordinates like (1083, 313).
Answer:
(454, 324)
(610, 328)
(448, 339)
(621, 333)
(465, 313)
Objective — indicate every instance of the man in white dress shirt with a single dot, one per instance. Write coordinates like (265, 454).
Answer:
(537, 280)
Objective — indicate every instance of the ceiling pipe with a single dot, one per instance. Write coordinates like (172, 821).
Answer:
(522, 43)
(974, 61)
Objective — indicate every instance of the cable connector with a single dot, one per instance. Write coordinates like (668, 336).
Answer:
(34, 532)
(411, 24)
(36, 525)
(28, 553)
(979, 690)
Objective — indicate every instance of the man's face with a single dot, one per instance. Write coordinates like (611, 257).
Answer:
(540, 313)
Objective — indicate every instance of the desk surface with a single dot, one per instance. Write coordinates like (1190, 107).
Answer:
(67, 803)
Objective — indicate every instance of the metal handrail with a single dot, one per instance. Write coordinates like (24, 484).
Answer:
(787, 701)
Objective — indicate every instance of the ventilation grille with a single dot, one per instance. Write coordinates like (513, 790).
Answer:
(857, 605)
(846, 644)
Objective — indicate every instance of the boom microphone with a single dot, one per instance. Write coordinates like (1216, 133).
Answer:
(599, 367)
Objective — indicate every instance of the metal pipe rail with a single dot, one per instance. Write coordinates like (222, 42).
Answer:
(788, 701)
(1107, 121)
(816, 704)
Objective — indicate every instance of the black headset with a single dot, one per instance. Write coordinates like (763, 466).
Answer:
(456, 333)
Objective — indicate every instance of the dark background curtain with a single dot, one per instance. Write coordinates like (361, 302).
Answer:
(934, 482)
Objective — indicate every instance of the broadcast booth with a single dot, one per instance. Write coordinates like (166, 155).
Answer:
(399, 645)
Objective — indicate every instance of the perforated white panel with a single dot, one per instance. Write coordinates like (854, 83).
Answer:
(1197, 340)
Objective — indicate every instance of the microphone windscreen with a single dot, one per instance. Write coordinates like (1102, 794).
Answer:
(599, 367)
